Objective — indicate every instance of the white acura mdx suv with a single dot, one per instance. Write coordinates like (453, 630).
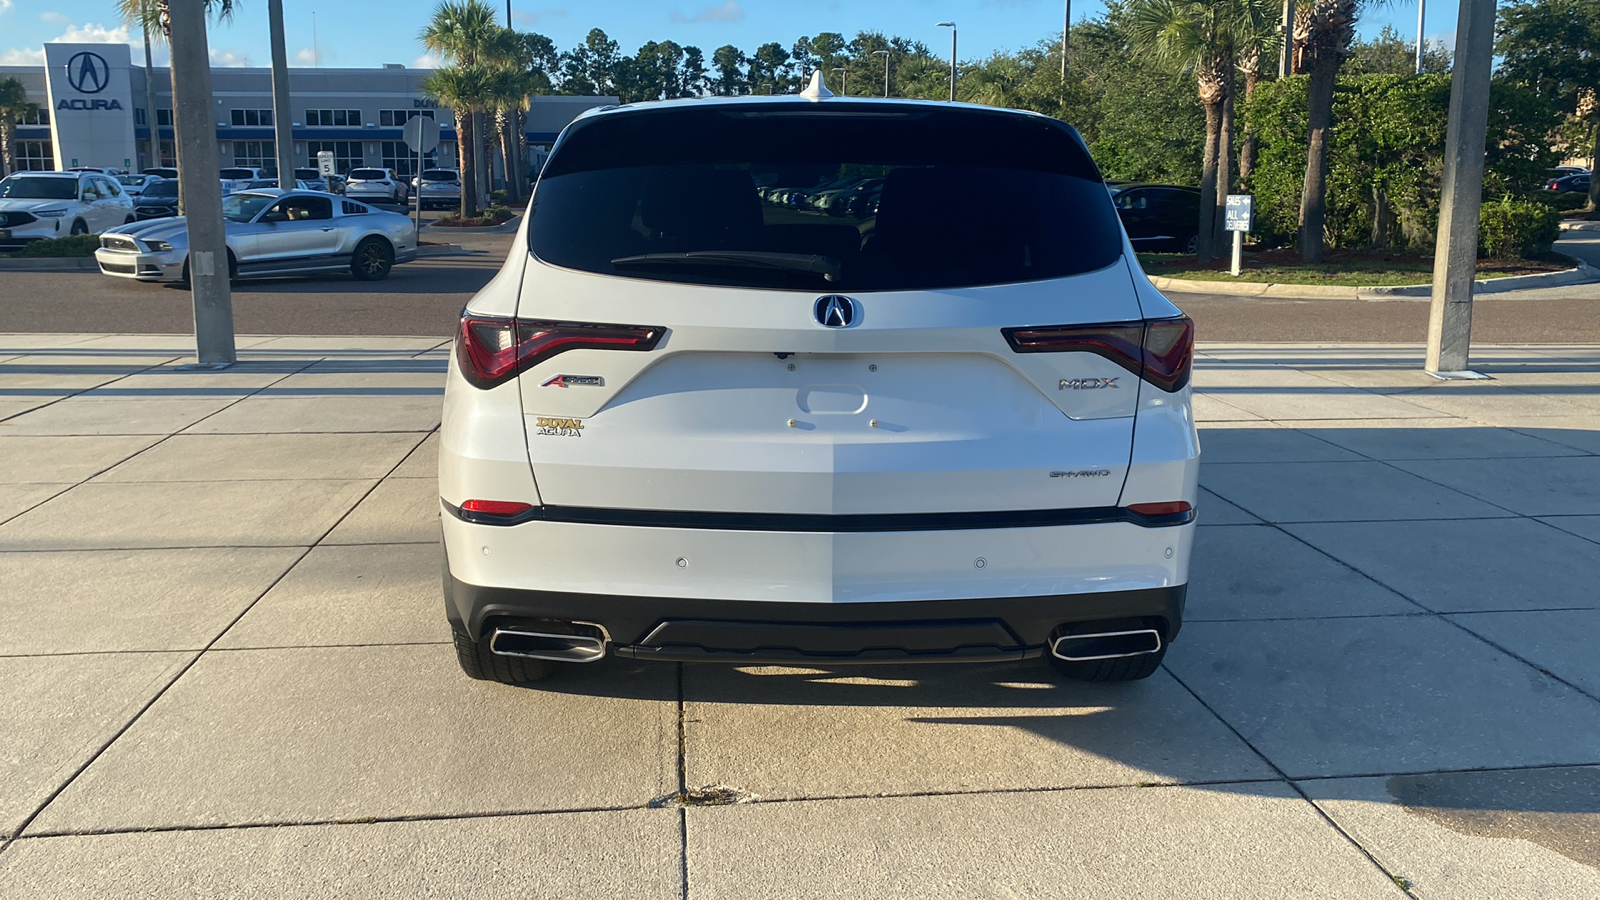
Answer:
(684, 423)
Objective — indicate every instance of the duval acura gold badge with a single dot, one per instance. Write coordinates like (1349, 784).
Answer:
(546, 425)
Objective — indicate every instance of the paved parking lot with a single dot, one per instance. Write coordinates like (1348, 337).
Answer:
(228, 672)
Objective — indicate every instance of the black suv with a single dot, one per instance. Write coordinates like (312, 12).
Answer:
(1159, 216)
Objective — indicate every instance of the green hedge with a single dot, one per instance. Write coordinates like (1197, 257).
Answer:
(73, 245)
(1510, 228)
(1386, 156)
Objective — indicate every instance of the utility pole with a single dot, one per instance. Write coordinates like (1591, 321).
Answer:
(192, 112)
(885, 55)
(1286, 51)
(1456, 253)
(1066, 33)
(1422, 10)
(952, 27)
(282, 136)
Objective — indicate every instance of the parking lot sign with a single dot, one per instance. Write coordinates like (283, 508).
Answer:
(1238, 212)
(325, 164)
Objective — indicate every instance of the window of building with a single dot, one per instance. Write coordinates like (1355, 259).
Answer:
(396, 118)
(331, 118)
(34, 156)
(39, 116)
(168, 159)
(402, 159)
(346, 154)
(252, 117)
(260, 154)
(163, 116)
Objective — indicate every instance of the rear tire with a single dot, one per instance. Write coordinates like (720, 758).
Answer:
(478, 662)
(372, 260)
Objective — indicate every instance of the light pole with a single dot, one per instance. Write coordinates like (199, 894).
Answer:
(1066, 32)
(1422, 10)
(952, 27)
(885, 55)
(282, 136)
(844, 81)
(1286, 51)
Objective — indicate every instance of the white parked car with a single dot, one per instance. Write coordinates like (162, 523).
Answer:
(682, 425)
(134, 185)
(235, 178)
(376, 184)
(39, 205)
(438, 187)
(269, 232)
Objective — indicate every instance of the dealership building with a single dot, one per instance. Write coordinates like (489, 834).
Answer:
(92, 112)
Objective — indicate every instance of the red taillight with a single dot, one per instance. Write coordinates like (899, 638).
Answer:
(1161, 351)
(505, 508)
(490, 351)
(1169, 508)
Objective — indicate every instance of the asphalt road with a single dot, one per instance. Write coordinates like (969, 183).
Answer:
(425, 297)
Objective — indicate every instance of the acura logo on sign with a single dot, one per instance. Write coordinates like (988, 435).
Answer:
(836, 311)
(88, 73)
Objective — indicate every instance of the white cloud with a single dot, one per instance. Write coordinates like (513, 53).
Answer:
(5, 5)
(428, 60)
(53, 17)
(94, 34)
(313, 56)
(229, 58)
(726, 11)
(533, 18)
(25, 57)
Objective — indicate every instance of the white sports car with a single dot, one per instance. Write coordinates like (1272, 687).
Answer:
(270, 232)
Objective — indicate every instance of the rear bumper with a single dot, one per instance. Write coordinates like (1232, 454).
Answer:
(698, 630)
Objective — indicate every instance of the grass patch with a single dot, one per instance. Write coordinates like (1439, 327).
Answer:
(76, 245)
(1340, 268)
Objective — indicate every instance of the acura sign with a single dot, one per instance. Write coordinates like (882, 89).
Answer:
(90, 89)
(88, 72)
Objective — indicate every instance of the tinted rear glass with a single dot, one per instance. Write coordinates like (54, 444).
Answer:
(886, 198)
(238, 173)
(369, 174)
(162, 189)
(438, 175)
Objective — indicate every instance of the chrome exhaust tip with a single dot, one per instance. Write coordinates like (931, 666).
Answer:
(1106, 645)
(585, 644)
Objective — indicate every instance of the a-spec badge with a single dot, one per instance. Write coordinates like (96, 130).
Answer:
(1087, 384)
(565, 381)
(554, 427)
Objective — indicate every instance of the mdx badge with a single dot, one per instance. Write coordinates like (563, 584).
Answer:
(564, 381)
(835, 311)
(1087, 384)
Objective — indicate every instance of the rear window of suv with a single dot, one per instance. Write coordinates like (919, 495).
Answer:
(827, 196)
(369, 175)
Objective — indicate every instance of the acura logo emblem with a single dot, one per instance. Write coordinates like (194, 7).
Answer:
(88, 73)
(836, 311)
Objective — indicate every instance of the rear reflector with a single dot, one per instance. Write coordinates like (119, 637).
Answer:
(496, 507)
(1170, 508)
(1160, 351)
(493, 350)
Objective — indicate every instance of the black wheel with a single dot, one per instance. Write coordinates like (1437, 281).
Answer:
(479, 663)
(1192, 245)
(78, 227)
(372, 260)
(233, 267)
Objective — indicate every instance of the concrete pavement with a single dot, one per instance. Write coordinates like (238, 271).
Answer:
(228, 673)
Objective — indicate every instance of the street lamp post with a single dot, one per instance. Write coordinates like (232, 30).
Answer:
(952, 27)
(885, 55)
(1422, 10)
(844, 80)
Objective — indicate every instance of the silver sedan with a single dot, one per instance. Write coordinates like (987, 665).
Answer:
(269, 232)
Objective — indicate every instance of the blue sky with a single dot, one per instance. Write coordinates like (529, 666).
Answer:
(367, 33)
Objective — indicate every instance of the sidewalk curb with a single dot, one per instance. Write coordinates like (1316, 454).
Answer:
(1580, 226)
(1582, 274)
(427, 250)
(50, 264)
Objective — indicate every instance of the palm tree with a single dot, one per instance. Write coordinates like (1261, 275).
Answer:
(462, 89)
(466, 33)
(1322, 32)
(1198, 36)
(1259, 47)
(14, 105)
